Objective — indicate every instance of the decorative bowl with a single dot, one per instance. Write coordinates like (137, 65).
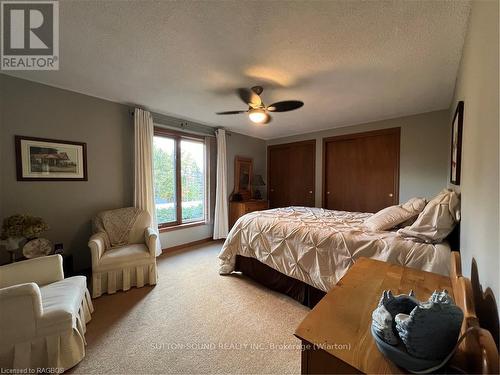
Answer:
(399, 355)
(37, 248)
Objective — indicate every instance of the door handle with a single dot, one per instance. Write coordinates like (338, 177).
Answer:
(272, 190)
(310, 191)
(391, 195)
(328, 192)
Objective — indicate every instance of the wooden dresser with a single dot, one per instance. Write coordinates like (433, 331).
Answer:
(238, 209)
(336, 335)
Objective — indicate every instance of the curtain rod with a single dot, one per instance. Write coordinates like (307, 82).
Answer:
(179, 124)
(184, 125)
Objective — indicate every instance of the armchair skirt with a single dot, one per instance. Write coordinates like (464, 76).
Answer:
(123, 278)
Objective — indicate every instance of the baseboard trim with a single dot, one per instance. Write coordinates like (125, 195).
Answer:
(186, 245)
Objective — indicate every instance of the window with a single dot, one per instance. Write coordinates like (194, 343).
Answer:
(179, 178)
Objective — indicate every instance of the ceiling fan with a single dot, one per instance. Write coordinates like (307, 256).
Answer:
(257, 111)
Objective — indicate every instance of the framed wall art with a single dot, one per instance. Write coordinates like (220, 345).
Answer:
(40, 159)
(456, 144)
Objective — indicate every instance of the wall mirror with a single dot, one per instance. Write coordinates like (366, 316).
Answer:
(243, 177)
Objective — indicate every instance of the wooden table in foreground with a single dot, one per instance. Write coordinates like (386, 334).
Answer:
(339, 325)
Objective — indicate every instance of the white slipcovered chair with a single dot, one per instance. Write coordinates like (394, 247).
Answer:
(43, 316)
(123, 250)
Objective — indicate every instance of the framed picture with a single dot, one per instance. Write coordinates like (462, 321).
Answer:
(40, 159)
(456, 143)
(243, 171)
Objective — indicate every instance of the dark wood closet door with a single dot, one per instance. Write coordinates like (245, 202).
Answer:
(291, 174)
(278, 176)
(361, 171)
(342, 168)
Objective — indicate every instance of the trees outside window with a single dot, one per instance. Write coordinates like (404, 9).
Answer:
(179, 178)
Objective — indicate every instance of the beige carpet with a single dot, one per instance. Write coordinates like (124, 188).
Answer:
(194, 321)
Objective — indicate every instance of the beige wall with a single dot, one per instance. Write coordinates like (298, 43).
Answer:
(36, 110)
(242, 145)
(477, 85)
(424, 153)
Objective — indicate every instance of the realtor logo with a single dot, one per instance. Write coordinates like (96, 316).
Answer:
(30, 35)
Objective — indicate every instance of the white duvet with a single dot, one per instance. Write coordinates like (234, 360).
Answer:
(318, 246)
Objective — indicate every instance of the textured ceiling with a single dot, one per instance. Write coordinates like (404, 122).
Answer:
(349, 61)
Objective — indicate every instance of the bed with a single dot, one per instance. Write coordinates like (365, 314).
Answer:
(304, 251)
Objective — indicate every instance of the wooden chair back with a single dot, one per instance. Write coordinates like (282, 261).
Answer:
(478, 353)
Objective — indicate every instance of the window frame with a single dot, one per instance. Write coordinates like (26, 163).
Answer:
(178, 137)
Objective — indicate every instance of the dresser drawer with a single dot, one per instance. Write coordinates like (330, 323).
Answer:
(238, 209)
(255, 206)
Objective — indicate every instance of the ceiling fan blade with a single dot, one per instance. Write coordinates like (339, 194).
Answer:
(287, 105)
(230, 112)
(250, 97)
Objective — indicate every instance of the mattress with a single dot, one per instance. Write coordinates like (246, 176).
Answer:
(318, 246)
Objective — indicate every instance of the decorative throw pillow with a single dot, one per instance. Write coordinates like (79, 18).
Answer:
(392, 216)
(437, 220)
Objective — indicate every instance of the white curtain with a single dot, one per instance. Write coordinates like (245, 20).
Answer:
(221, 214)
(143, 167)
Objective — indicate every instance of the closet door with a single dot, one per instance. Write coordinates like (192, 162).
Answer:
(278, 173)
(302, 162)
(361, 171)
(342, 175)
(291, 174)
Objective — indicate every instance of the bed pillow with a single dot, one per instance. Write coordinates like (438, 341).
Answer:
(437, 220)
(392, 216)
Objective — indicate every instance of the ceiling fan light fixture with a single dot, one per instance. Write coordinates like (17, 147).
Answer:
(257, 116)
(257, 111)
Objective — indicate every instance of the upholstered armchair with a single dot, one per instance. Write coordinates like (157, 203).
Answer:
(43, 316)
(123, 250)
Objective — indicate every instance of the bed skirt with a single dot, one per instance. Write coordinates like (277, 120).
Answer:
(298, 290)
(123, 279)
(58, 352)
